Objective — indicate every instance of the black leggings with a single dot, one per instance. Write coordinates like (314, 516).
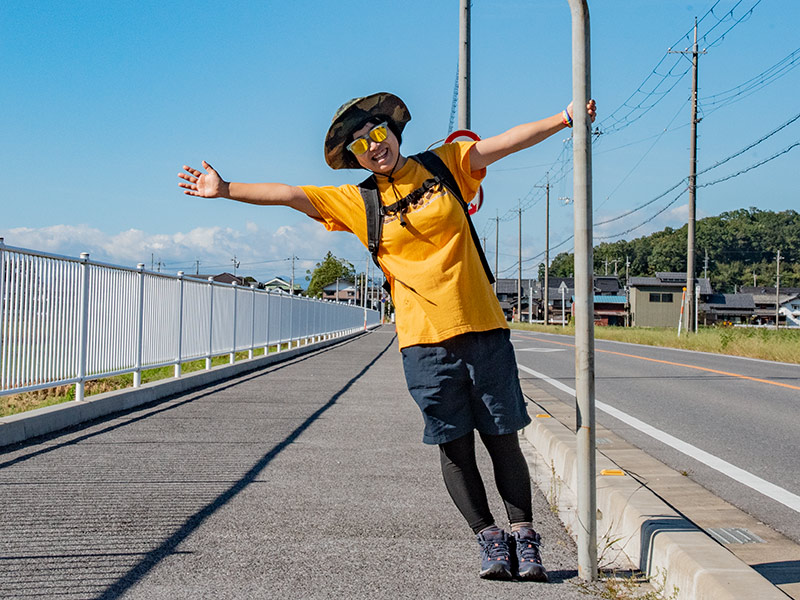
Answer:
(465, 486)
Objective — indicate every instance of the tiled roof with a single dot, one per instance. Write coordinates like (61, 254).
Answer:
(731, 301)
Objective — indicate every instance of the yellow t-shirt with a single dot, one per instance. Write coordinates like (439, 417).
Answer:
(439, 287)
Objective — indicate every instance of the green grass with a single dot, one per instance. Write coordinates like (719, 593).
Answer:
(18, 403)
(782, 345)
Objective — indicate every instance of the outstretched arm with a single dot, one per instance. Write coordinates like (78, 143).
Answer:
(211, 185)
(489, 150)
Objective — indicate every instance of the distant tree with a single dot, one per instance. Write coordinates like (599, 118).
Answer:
(328, 271)
(563, 265)
(739, 243)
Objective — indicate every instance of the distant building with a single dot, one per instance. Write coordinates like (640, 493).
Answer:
(764, 300)
(283, 284)
(342, 291)
(656, 301)
(506, 290)
(727, 308)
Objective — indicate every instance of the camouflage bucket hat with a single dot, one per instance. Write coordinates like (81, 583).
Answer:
(351, 116)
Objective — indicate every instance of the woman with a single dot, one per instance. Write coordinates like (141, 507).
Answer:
(457, 355)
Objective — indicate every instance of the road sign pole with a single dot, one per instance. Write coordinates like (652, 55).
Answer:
(584, 293)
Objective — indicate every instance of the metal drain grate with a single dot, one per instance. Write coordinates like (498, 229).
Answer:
(734, 535)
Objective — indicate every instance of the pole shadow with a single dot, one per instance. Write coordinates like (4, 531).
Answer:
(169, 546)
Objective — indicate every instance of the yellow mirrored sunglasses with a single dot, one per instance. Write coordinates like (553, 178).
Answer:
(376, 134)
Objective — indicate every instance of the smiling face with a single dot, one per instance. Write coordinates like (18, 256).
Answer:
(381, 157)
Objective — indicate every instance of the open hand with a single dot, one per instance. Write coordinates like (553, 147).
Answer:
(205, 185)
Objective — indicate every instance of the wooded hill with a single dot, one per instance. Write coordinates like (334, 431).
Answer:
(739, 243)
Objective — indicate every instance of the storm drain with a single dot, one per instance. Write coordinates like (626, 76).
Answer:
(734, 535)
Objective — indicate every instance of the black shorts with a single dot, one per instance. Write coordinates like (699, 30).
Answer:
(466, 382)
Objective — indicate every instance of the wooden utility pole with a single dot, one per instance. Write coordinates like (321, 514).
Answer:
(546, 286)
(519, 270)
(778, 290)
(496, 248)
(690, 283)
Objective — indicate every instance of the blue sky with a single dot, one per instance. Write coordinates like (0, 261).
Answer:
(102, 102)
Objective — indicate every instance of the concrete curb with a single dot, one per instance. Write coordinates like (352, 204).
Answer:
(657, 540)
(42, 421)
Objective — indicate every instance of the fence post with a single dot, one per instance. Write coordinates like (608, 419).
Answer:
(252, 323)
(180, 325)
(3, 364)
(210, 322)
(291, 318)
(232, 355)
(266, 336)
(280, 321)
(137, 374)
(83, 333)
(2, 313)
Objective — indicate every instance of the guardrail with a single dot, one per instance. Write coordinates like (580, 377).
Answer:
(65, 320)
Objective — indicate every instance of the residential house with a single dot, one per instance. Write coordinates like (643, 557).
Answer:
(656, 301)
(342, 290)
(764, 299)
(560, 304)
(610, 304)
(506, 290)
(727, 308)
(221, 278)
(283, 284)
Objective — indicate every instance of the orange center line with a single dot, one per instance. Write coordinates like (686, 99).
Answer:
(675, 364)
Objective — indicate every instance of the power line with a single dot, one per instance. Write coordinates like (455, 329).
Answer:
(752, 85)
(751, 167)
(633, 108)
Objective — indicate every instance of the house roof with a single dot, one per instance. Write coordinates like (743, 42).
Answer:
(745, 289)
(344, 284)
(730, 301)
(600, 299)
(667, 279)
(509, 286)
(607, 284)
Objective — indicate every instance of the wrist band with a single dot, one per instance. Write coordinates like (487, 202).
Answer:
(566, 119)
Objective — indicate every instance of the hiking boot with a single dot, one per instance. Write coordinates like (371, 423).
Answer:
(495, 555)
(529, 561)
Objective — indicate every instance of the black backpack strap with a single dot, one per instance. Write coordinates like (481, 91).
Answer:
(435, 165)
(374, 210)
(375, 213)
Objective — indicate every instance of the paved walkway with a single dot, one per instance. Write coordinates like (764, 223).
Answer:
(305, 480)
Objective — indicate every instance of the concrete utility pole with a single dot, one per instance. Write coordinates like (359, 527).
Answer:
(463, 65)
(546, 290)
(291, 288)
(519, 270)
(778, 290)
(584, 299)
(690, 303)
(496, 248)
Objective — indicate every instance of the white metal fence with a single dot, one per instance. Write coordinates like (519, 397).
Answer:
(65, 320)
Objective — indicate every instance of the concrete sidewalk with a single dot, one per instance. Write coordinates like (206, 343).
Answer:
(304, 480)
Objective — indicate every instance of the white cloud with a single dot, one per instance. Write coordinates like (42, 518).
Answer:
(261, 253)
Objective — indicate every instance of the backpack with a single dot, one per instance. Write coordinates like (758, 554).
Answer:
(376, 211)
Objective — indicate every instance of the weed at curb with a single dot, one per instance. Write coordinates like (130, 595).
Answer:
(554, 493)
(630, 586)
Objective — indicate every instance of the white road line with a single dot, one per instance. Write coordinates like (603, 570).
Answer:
(754, 482)
(539, 350)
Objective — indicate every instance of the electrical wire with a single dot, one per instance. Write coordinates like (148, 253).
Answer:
(651, 89)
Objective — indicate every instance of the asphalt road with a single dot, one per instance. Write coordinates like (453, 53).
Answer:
(307, 479)
(731, 423)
